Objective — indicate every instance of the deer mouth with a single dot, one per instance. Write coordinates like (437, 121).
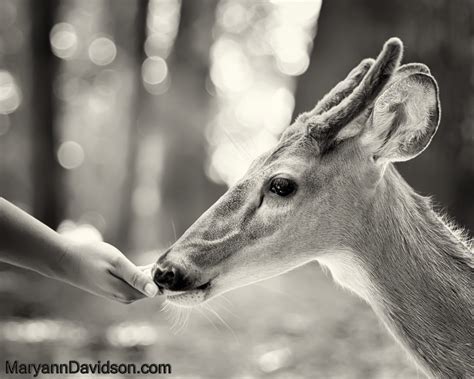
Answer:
(190, 298)
(204, 286)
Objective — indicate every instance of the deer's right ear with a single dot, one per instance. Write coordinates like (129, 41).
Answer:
(404, 118)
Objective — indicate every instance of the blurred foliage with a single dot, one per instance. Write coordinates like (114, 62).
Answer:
(133, 116)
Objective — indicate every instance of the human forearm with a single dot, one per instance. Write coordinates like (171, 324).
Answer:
(28, 243)
(96, 267)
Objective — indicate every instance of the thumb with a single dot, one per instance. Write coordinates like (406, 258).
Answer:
(136, 278)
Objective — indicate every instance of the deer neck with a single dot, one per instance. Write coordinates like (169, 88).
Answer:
(416, 274)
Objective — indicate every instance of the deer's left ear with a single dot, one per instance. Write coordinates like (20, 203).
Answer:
(404, 119)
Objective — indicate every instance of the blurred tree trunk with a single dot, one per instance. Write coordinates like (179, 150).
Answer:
(131, 36)
(186, 191)
(437, 33)
(48, 191)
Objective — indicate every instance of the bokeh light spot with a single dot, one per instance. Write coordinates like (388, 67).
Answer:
(290, 43)
(274, 360)
(230, 70)
(158, 44)
(79, 232)
(63, 39)
(43, 330)
(128, 334)
(233, 17)
(10, 97)
(282, 104)
(102, 51)
(155, 75)
(154, 70)
(70, 155)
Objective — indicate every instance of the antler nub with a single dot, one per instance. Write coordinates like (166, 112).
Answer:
(324, 127)
(344, 88)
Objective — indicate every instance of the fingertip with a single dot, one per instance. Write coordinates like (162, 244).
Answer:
(151, 290)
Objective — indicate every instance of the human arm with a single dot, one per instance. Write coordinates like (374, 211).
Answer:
(96, 267)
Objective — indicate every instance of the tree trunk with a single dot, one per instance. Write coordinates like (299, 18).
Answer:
(48, 194)
(186, 191)
(135, 47)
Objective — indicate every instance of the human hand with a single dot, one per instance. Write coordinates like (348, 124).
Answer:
(103, 270)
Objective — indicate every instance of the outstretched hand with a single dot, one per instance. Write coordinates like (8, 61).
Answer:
(103, 270)
(76, 255)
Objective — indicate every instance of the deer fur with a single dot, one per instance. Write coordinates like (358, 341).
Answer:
(352, 212)
(343, 88)
(417, 276)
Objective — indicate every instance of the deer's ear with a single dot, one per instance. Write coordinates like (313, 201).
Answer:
(404, 118)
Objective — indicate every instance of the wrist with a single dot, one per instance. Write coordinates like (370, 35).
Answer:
(60, 267)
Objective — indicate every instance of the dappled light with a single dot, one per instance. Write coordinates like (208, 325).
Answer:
(257, 53)
(162, 23)
(162, 28)
(42, 330)
(274, 360)
(129, 334)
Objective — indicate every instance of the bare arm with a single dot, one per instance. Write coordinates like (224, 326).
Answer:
(95, 267)
(28, 243)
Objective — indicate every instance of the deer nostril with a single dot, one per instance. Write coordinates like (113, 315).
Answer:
(168, 276)
(164, 278)
(173, 278)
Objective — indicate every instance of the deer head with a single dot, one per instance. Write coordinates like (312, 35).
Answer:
(307, 196)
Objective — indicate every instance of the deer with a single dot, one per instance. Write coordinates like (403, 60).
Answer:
(329, 192)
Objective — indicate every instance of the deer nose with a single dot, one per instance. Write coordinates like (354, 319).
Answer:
(171, 278)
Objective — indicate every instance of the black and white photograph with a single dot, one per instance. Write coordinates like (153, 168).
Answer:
(237, 189)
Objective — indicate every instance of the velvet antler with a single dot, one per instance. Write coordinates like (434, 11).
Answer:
(325, 126)
(343, 88)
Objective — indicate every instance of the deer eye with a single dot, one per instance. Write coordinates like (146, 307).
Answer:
(282, 187)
